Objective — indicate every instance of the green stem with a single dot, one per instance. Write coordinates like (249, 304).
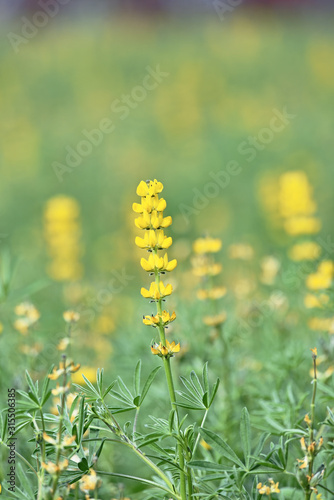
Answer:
(171, 390)
(201, 427)
(60, 429)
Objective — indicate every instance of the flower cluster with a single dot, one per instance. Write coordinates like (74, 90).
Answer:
(267, 490)
(62, 233)
(151, 219)
(318, 284)
(28, 315)
(205, 267)
(296, 204)
(310, 444)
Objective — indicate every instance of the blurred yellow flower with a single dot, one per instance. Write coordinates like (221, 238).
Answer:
(71, 316)
(295, 195)
(29, 315)
(88, 371)
(62, 234)
(316, 301)
(270, 267)
(207, 269)
(214, 293)
(216, 320)
(89, 481)
(322, 324)
(207, 245)
(307, 250)
(322, 278)
(241, 251)
(267, 490)
(297, 226)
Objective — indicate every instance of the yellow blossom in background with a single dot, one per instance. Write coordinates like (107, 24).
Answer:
(28, 316)
(322, 278)
(52, 468)
(298, 226)
(88, 371)
(207, 245)
(214, 293)
(241, 251)
(307, 250)
(68, 367)
(267, 490)
(322, 324)
(295, 195)
(215, 320)
(316, 301)
(270, 267)
(62, 231)
(89, 481)
(1, 327)
(71, 316)
(205, 445)
(207, 270)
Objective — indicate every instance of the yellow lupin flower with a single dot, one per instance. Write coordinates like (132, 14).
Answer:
(67, 366)
(207, 245)
(307, 250)
(241, 251)
(62, 232)
(53, 469)
(267, 490)
(214, 293)
(298, 226)
(154, 240)
(322, 278)
(71, 316)
(156, 292)
(154, 220)
(89, 481)
(159, 319)
(208, 270)
(149, 188)
(316, 301)
(166, 351)
(149, 203)
(295, 194)
(155, 263)
(216, 320)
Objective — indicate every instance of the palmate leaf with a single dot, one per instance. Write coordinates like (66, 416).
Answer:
(198, 395)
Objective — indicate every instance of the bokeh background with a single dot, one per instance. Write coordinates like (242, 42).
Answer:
(225, 70)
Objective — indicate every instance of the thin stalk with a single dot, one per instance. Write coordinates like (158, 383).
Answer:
(60, 429)
(308, 492)
(171, 390)
(201, 427)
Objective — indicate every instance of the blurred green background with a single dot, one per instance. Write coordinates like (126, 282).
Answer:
(224, 81)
